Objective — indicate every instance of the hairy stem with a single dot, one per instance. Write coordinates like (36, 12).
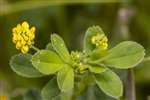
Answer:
(125, 14)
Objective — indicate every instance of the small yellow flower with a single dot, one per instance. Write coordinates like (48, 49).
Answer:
(23, 36)
(3, 97)
(100, 40)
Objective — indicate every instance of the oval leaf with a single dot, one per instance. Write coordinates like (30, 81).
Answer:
(21, 64)
(125, 55)
(110, 83)
(65, 79)
(60, 47)
(50, 90)
(47, 62)
(91, 31)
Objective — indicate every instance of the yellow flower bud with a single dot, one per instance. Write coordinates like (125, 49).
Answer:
(23, 42)
(18, 45)
(93, 39)
(25, 37)
(25, 25)
(14, 40)
(29, 42)
(32, 29)
(18, 29)
(24, 49)
(19, 37)
(31, 36)
(100, 40)
(105, 46)
(14, 30)
(105, 39)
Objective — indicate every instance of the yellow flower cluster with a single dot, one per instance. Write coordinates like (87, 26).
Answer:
(100, 40)
(23, 36)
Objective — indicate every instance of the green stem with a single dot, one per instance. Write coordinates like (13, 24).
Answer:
(35, 48)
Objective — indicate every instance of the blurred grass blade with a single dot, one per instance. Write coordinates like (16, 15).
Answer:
(6, 8)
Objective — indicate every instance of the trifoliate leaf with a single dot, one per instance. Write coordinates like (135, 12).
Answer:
(47, 62)
(125, 55)
(21, 64)
(60, 47)
(109, 83)
(65, 78)
(51, 90)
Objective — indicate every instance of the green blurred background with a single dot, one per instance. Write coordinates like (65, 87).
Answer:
(70, 19)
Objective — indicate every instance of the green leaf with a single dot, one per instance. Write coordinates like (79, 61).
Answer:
(21, 64)
(96, 69)
(109, 83)
(47, 62)
(60, 47)
(50, 90)
(91, 31)
(125, 55)
(65, 79)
